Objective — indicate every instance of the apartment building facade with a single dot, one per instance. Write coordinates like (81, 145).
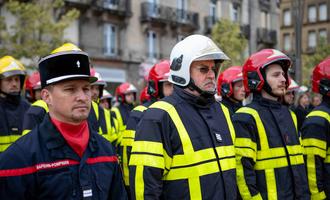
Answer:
(258, 20)
(315, 24)
(124, 38)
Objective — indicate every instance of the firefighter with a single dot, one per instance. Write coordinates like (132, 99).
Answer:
(99, 119)
(62, 158)
(316, 135)
(12, 106)
(231, 89)
(98, 86)
(105, 121)
(106, 100)
(183, 147)
(270, 162)
(289, 96)
(158, 87)
(33, 87)
(126, 97)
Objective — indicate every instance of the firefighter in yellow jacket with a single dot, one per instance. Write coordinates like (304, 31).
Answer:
(183, 147)
(12, 106)
(270, 162)
(316, 135)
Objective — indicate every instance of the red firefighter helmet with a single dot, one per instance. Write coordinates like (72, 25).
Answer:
(123, 89)
(144, 96)
(227, 78)
(321, 77)
(158, 73)
(33, 83)
(253, 79)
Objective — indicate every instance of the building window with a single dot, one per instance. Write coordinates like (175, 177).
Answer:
(235, 12)
(311, 39)
(265, 20)
(112, 4)
(323, 33)
(182, 9)
(323, 12)
(110, 39)
(152, 44)
(311, 14)
(286, 42)
(153, 9)
(286, 17)
(213, 10)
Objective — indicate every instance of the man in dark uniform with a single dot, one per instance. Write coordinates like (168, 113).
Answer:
(158, 87)
(183, 147)
(12, 106)
(126, 97)
(270, 162)
(99, 119)
(62, 158)
(316, 135)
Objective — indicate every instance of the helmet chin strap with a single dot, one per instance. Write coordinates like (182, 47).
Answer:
(269, 90)
(233, 99)
(13, 97)
(205, 94)
(266, 86)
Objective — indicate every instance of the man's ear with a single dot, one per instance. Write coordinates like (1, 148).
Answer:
(46, 96)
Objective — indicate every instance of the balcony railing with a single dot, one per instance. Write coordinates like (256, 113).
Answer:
(264, 4)
(266, 36)
(184, 17)
(176, 17)
(80, 4)
(103, 52)
(153, 12)
(119, 7)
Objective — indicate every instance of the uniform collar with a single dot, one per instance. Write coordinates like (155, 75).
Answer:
(266, 102)
(56, 143)
(233, 105)
(197, 101)
(127, 106)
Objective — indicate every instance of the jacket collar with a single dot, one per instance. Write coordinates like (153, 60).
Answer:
(57, 145)
(266, 102)
(233, 105)
(197, 101)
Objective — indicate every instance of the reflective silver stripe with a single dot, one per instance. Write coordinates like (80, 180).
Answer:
(64, 77)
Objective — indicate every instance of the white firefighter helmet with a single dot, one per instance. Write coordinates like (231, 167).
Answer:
(192, 48)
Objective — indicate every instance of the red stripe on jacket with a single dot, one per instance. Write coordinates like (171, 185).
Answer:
(53, 165)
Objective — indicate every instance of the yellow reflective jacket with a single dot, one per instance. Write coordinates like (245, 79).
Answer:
(269, 154)
(316, 141)
(183, 150)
